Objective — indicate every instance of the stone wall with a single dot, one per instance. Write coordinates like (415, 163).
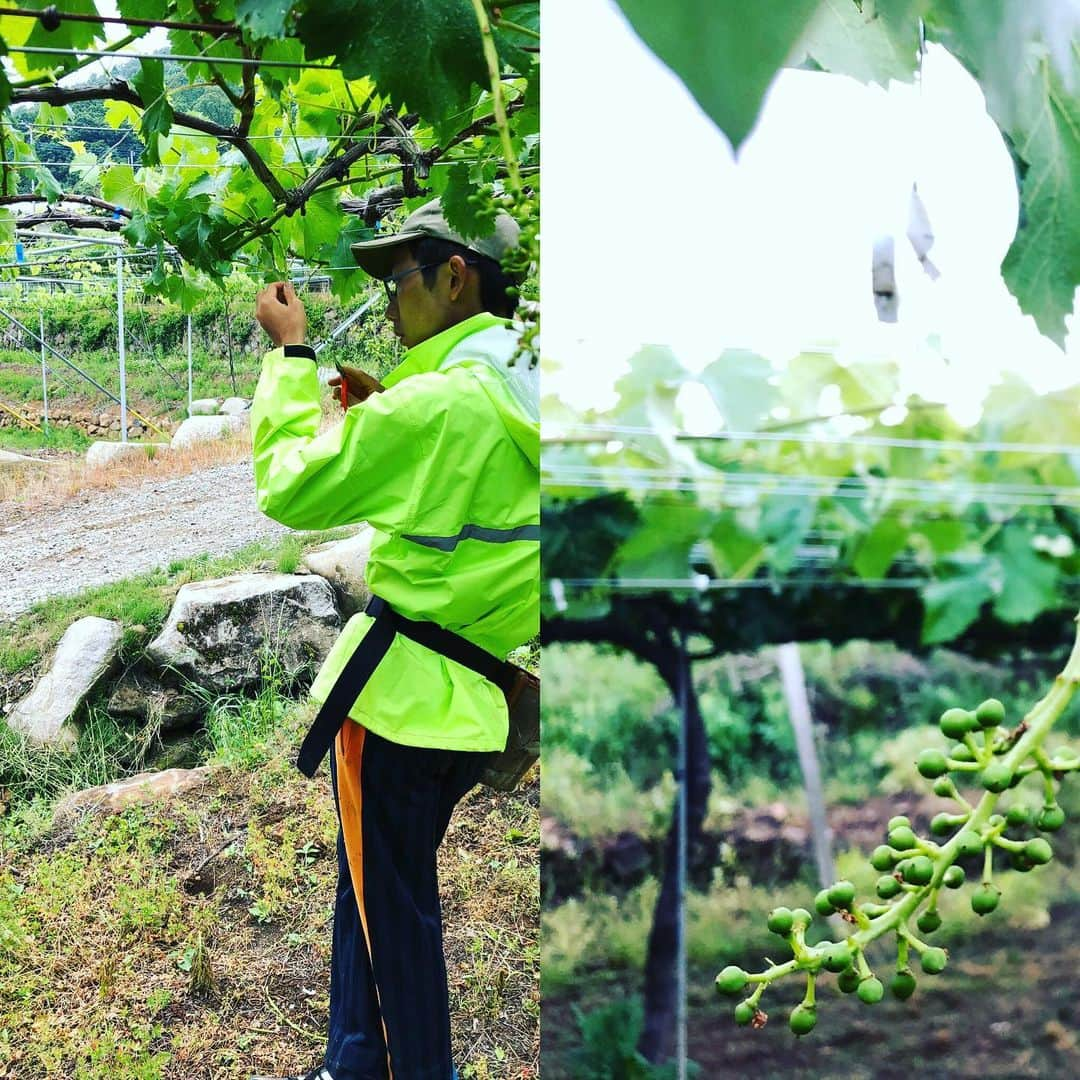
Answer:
(98, 425)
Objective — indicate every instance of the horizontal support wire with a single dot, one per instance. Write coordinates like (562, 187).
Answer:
(605, 432)
(823, 486)
(44, 129)
(123, 20)
(220, 166)
(236, 61)
(704, 583)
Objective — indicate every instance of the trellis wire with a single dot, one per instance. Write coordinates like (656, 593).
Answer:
(852, 440)
(704, 583)
(236, 61)
(927, 491)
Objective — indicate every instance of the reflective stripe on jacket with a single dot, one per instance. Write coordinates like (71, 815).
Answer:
(445, 466)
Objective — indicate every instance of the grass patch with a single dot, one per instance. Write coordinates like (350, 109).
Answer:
(237, 728)
(141, 603)
(24, 440)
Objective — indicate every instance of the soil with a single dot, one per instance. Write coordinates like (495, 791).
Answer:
(105, 536)
(251, 832)
(1005, 1007)
(770, 843)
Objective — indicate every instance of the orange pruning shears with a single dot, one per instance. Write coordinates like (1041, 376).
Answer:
(344, 392)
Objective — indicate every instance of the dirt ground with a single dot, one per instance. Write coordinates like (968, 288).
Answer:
(108, 535)
(1006, 1007)
(101, 924)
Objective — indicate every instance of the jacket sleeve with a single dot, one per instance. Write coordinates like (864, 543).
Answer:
(370, 467)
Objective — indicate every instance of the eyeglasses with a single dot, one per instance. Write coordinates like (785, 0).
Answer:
(390, 282)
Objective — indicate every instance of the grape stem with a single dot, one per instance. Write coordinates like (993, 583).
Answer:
(1035, 727)
(902, 946)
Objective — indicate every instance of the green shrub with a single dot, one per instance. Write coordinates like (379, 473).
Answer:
(609, 1038)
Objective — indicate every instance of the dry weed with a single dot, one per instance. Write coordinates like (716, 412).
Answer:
(33, 489)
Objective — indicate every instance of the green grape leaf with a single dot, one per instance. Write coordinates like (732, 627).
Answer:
(735, 552)
(943, 536)
(463, 215)
(726, 52)
(119, 187)
(647, 392)
(431, 69)
(512, 44)
(265, 19)
(660, 546)
(47, 184)
(1042, 267)
(872, 42)
(157, 114)
(68, 35)
(345, 284)
(143, 9)
(740, 386)
(784, 523)
(321, 224)
(1029, 581)
(876, 551)
(7, 227)
(950, 606)
(582, 536)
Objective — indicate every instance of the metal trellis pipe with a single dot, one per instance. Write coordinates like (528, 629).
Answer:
(44, 373)
(189, 374)
(682, 857)
(121, 343)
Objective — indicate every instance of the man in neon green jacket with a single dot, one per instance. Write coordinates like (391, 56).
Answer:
(443, 461)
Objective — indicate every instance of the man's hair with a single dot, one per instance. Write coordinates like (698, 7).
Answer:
(493, 280)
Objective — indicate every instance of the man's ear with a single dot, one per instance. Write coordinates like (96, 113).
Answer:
(459, 276)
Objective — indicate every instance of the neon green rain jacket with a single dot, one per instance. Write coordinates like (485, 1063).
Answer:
(445, 466)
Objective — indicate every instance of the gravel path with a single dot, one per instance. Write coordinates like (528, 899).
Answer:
(104, 536)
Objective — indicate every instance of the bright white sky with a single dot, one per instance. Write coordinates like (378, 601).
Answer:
(655, 234)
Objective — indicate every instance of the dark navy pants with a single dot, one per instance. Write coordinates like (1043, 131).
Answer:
(389, 1004)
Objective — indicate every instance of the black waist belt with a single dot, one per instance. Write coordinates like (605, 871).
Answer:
(362, 664)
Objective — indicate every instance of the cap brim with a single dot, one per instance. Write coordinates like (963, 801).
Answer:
(376, 257)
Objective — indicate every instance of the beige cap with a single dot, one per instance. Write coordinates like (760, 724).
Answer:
(376, 257)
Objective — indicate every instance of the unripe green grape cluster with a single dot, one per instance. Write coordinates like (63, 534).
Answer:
(914, 869)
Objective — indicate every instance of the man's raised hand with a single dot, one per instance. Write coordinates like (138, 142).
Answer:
(281, 314)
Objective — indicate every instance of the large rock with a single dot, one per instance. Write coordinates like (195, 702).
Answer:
(86, 653)
(203, 407)
(139, 696)
(234, 406)
(104, 453)
(204, 428)
(10, 460)
(344, 564)
(220, 633)
(146, 787)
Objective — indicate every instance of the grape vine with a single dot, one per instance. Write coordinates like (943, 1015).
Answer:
(279, 132)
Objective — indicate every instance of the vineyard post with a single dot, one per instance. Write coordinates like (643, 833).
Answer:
(120, 341)
(793, 680)
(682, 767)
(44, 379)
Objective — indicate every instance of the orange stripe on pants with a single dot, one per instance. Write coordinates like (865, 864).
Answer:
(349, 754)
